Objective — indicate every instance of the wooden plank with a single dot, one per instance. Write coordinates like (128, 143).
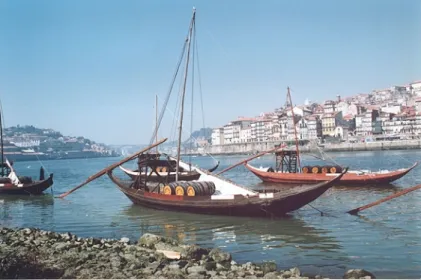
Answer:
(359, 209)
(105, 170)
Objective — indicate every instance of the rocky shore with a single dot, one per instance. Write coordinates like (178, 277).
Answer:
(34, 253)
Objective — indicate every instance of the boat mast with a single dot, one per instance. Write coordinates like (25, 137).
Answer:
(2, 152)
(2, 173)
(184, 93)
(156, 121)
(295, 128)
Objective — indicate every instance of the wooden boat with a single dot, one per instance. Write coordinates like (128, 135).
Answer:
(212, 194)
(323, 173)
(11, 183)
(288, 170)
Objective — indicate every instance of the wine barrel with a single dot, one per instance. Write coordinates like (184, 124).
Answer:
(315, 169)
(306, 169)
(168, 190)
(336, 169)
(179, 190)
(326, 169)
(191, 190)
(197, 188)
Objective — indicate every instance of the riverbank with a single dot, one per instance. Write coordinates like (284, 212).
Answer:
(256, 147)
(35, 253)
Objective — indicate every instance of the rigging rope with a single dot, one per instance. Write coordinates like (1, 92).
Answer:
(169, 92)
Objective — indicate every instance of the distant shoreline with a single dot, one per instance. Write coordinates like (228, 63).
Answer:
(255, 148)
(30, 158)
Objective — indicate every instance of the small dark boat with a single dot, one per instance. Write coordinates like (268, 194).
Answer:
(212, 194)
(162, 170)
(11, 183)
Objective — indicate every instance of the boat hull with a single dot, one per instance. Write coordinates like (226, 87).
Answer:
(349, 178)
(33, 188)
(275, 205)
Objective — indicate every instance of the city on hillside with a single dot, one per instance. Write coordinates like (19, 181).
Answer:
(24, 143)
(393, 113)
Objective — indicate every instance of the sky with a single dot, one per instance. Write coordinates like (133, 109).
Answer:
(93, 68)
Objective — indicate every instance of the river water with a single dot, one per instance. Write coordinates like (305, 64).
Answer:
(385, 239)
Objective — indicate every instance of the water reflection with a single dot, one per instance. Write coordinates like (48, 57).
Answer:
(14, 208)
(207, 229)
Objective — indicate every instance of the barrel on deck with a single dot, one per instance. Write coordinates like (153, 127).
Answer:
(191, 188)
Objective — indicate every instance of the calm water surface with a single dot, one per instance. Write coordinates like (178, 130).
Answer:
(385, 240)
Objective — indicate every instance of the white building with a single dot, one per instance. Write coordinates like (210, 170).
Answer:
(314, 127)
(259, 129)
(245, 135)
(415, 88)
(218, 136)
(394, 109)
(233, 129)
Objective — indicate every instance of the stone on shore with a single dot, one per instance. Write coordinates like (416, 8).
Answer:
(34, 253)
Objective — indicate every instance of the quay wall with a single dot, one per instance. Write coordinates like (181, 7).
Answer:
(255, 147)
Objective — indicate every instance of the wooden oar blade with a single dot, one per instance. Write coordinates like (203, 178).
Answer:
(105, 170)
(395, 195)
(248, 159)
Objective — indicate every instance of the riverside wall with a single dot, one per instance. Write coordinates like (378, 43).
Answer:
(255, 147)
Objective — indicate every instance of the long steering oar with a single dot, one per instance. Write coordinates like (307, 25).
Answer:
(356, 210)
(105, 170)
(248, 159)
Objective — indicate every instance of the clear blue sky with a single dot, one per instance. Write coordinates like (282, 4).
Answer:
(92, 68)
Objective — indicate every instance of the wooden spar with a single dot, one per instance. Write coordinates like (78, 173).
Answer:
(183, 95)
(295, 128)
(246, 160)
(356, 210)
(156, 121)
(2, 173)
(105, 170)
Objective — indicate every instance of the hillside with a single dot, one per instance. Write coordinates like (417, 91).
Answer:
(25, 142)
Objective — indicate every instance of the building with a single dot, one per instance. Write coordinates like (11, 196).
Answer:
(314, 127)
(259, 129)
(415, 88)
(329, 106)
(329, 123)
(218, 136)
(364, 122)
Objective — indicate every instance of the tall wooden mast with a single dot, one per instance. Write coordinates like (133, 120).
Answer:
(184, 93)
(295, 128)
(2, 173)
(156, 121)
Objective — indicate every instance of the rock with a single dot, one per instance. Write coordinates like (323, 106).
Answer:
(197, 269)
(60, 246)
(149, 240)
(194, 252)
(286, 274)
(358, 274)
(196, 276)
(268, 267)
(295, 272)
(124, 240)
(219, 256)
(271, 275)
